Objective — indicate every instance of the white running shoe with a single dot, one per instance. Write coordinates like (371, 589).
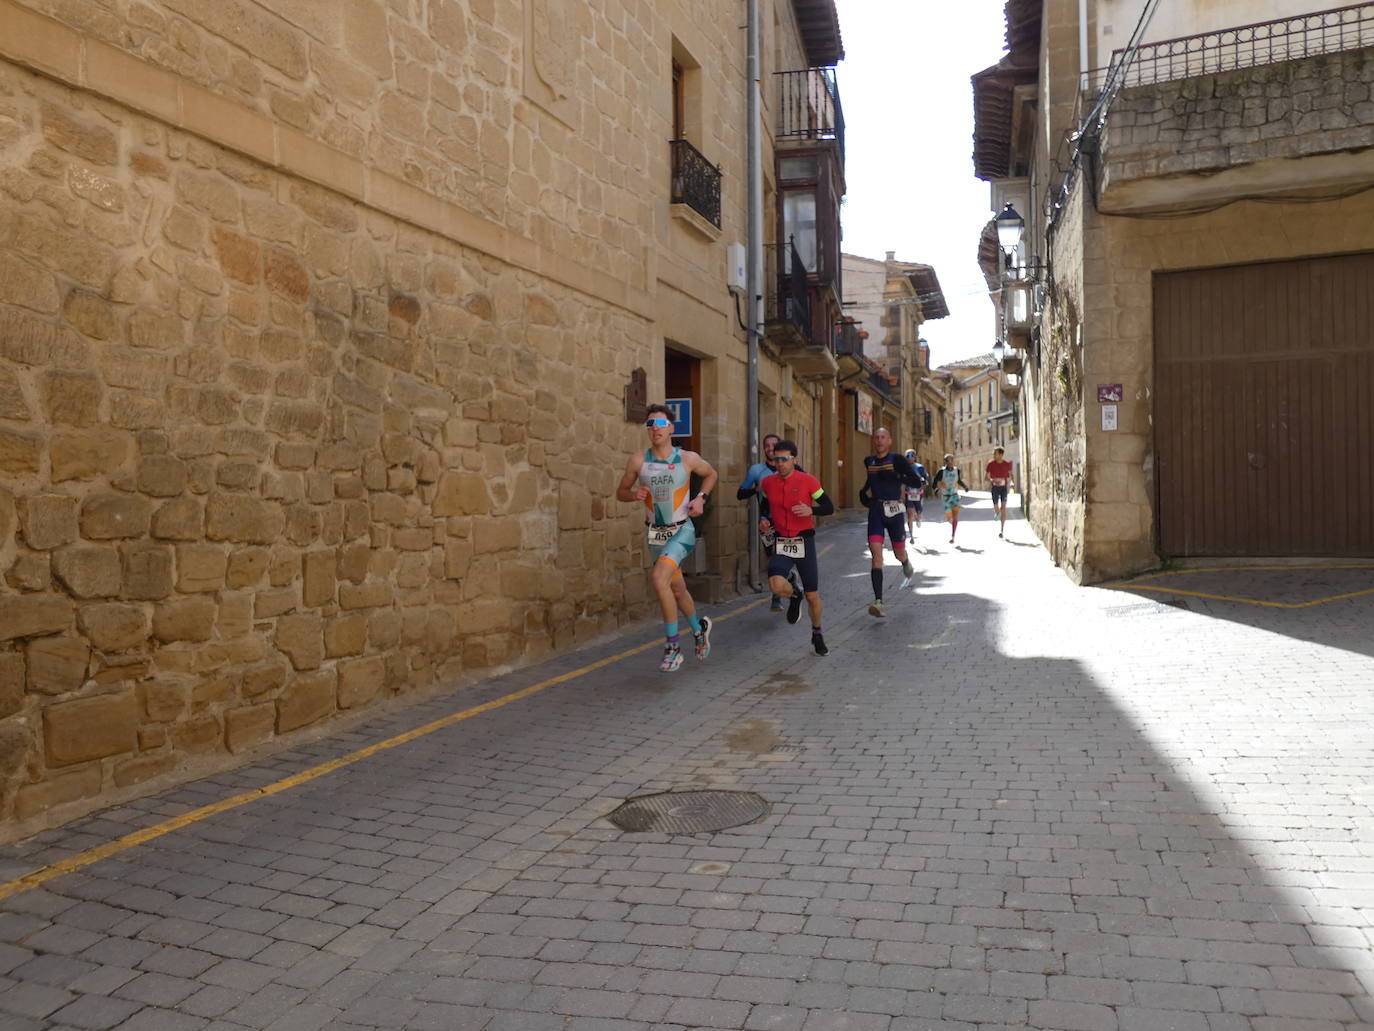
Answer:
(703, 639)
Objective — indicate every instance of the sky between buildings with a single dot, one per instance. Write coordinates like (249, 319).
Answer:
(908, 108)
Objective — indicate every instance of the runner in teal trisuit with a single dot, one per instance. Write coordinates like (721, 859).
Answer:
(660, 478)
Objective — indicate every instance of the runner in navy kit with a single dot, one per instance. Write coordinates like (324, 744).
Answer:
(795, 498)
(882, 495)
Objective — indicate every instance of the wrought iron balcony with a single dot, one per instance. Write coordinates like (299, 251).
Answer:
(809, 107)
(696, 182)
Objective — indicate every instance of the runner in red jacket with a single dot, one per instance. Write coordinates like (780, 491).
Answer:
(794, 500)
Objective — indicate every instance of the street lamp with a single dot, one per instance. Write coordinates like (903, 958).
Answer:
(999, 351)
(1010, 226)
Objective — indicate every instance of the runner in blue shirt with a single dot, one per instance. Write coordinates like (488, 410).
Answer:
(914, 500)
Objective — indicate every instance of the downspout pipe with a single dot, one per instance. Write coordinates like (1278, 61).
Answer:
(1083, 45)
(753, 279)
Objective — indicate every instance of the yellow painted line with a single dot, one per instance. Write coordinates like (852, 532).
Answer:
(1135, 585)
(1250, 601)
(1235, 569)
(139, 837)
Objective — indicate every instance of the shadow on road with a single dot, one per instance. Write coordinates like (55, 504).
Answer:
(1326, 603)
(956, 835)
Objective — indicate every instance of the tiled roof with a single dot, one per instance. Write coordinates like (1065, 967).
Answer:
(977, 362)
(819, 22)
(994, 88)
(927, 286)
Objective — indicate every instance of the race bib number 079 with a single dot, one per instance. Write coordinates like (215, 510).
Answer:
(792, 547)
(660, 535)
(892, 508)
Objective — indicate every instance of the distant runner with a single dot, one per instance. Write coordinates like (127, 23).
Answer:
(999, 476)
(915, 503)
(661, 478)
(946, 481)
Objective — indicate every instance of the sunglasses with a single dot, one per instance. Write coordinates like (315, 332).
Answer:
(656, 422)
(784, 458)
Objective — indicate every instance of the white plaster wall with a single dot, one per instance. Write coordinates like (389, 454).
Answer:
(1116, 19)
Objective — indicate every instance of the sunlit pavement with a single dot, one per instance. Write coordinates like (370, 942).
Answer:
(1010, 803)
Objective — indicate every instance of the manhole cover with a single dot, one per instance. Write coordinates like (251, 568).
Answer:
(689, 812)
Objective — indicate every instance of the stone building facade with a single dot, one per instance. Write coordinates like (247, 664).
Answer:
(984, 417)
(892, 300)
(317, 329)
(1176, 321)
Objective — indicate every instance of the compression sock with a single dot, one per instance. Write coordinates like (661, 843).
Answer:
(876, 575)
(670, 631)
(694, 623)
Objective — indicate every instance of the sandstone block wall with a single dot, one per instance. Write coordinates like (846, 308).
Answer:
(314, 325)
(1121, 257)
(268, 454)
(1052, 405)
(1208, 123)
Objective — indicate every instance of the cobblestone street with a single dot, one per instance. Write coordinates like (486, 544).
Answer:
(1012, 803)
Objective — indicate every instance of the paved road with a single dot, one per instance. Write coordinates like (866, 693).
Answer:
(1012, 803)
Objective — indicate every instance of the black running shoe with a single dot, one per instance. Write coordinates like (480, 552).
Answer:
(818, 642)
(794, 607)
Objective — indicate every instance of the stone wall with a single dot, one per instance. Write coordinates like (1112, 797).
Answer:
(1121, 256)
(1211, 123)
(1052, 401)
(268, 454)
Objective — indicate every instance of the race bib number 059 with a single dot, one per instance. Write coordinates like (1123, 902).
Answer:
(660, 535)
(892, 508)
(792, 547)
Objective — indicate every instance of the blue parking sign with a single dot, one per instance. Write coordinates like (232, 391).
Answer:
(681, 408)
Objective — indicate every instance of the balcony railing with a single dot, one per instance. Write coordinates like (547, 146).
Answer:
(696, 182)
(847, 339)
(1246, 46)
(794, 302)
(809, 106)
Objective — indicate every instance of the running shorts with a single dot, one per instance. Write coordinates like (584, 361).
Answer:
(807, 567)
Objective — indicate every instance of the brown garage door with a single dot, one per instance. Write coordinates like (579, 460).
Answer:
(1264, 408)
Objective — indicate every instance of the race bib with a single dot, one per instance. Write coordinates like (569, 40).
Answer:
(660, 535)
(892, 508)
(999, 481)
(792, 547)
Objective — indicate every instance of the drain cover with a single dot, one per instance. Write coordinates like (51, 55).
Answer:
(689, 812)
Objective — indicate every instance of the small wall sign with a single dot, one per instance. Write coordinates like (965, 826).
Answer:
(1109, 417)
(1108, 393)
(863, 413)
(682, 415)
